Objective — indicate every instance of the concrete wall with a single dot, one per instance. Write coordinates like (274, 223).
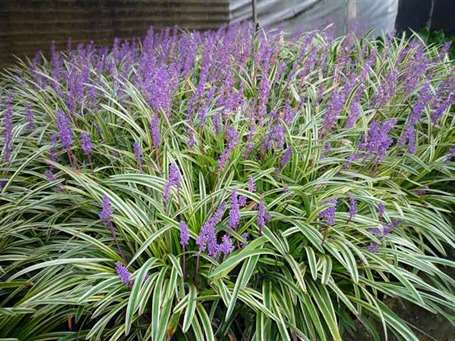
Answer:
(28, 25)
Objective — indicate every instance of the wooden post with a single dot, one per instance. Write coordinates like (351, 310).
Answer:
(255, 16)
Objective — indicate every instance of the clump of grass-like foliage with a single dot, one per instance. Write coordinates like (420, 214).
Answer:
(216, 186)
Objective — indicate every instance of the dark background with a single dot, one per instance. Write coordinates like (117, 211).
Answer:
(417, 14)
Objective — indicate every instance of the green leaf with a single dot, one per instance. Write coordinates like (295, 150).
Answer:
(133, 301)
(207, 326)
(312, 262)
(232, 261)
(190, 308)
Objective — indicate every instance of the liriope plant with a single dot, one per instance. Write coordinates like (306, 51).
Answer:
(202, 186)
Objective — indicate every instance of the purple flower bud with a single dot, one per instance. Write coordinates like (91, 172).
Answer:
(387, 89)
(384, 230)
(216, 119)
(263, 98)
(173, 181)
(245, 240)
(207, 235)
(184, 235)
(352, 207)
(285, 157)
(251, 184)
(155, 130)
(333, 110)
(328, 214)
(441, 108)
(86, 143)
(191, 141)
(381, 210)
(123, 273)
(232, 140)
(377, 141)
(49, 175)
(106, 212)
(353, 115)
(249, 140)
(226, 246)
(3, 183)
(275, 138)
(64, 130)
(377, 231)
(288, 115)
(30, 119)
(451, 154)
(234, 213)
(327, 147)
(8, 130)
(53, 149)
(373, 247)
(390, 226)
(263, 216)
(138, 154)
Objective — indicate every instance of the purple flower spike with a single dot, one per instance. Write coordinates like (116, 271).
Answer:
(86, 143)
(155, 130)
(251, 184)
(381, 210)
(234, 214)
(373, 247)
(106, 211)
(8, 131)
(352, 207)
(232, 137)
(328, 215)
(354, 114)
(245, 239)
(242, 201)
(390, 227)
(333, 110)
(263, 216)
(64, 130)
(226, 246)
(123, 273)
(184, 235)
(207, 235)
(384, 230)
(173, 181)
(53, 149)
(442, 107)
(49, 175)
(377, 141)
(451, 154)
(285, 157)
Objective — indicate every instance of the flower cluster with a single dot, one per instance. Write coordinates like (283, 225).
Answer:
(123, 273)
(377, 141)
(86, 143)
(173, 181)
(207, 238)
(64, 130)
(106, 211)
(232, 140)
(258, 146)
(328, 214)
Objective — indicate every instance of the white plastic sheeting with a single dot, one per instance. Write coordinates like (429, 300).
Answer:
(377, 16)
